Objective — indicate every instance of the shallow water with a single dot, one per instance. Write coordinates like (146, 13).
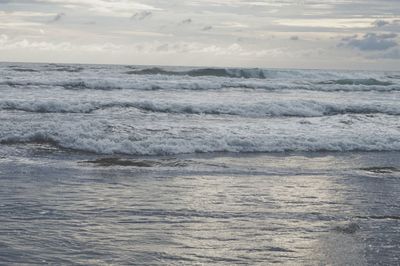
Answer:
(315, 208)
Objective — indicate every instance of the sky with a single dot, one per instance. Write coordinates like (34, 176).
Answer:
(329, 34)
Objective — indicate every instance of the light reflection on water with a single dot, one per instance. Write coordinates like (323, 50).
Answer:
(255, 210)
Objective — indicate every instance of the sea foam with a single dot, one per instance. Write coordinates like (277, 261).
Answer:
(296, 108)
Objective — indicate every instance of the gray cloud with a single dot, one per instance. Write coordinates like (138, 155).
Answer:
(392, 54)
(380, 23)
(186, 21)
(371, 42)
(141, 15)
(206, 28)
(57, 17)
(294, 38)
(163, 48)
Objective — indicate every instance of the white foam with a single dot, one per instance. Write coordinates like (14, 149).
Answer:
(141, 137)
(300, 108)
(103, 109)
(115, 78)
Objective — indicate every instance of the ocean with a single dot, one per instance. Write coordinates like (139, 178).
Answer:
(151, 165)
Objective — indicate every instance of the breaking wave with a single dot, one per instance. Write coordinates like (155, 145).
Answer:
(199, 85)
(103, 138)
(258, 73)
(295, 108)
(148, 111)
(215, 72)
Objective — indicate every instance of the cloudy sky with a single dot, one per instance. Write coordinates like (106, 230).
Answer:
(335, 34)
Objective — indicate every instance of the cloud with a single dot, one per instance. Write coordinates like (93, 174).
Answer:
(57, 17)
(206, 28)
(380, 23)
(144, 33)
(186, 21)
(141, 15)
(3, 39)
(147, 48)
(273, 28)
(25, 44)
(371, 42)
(328, 23)
(392, 54)
(112, 8)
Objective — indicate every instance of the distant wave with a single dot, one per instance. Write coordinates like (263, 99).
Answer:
(257, 73)
(17, 69)
(45, 68)
(66, 69)
(295, 108)
(200, 85)
(216, 72)
(366, 82)
(393, 76)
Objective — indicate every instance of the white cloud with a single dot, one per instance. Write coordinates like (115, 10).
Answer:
(338, 23)
(25, 14)
(150, 48)
(112, 8)
(232, 24)
(7, 44)
(144, 33)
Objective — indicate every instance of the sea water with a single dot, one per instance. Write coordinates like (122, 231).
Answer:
(175, 165)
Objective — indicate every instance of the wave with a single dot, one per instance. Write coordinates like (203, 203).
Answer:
(25, 70)
(104, 138)
(258, 73)
(366, 82)
(98, 84)
(215, 72)
(67, 69)
(196, 85)
(50, 106)
(295, 108)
